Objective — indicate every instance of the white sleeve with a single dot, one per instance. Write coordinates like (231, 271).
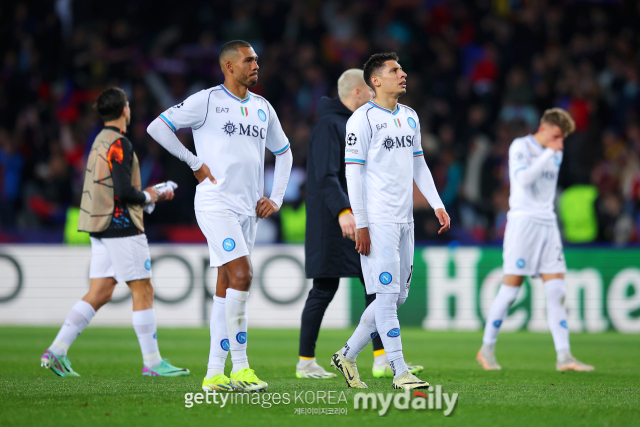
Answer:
(423, 178)
(192, 112)
(165, 137)
(284, 161)
(353, 173)
(526, 172)
(421, 173)
(358, 138)
(277, 142)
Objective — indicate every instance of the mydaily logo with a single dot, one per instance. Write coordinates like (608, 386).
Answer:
(418, 401)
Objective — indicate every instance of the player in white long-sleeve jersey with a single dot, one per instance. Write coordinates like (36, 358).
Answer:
(231, 129)
(383, 157)
(532, 243)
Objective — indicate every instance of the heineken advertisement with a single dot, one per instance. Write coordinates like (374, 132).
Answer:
(452, 289)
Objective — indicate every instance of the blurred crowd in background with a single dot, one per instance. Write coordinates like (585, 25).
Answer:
(480, 73)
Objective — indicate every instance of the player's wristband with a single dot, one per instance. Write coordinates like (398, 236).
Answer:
(344, 212)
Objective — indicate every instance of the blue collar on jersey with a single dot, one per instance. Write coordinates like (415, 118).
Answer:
(535, 141)
(241, 101)
(394, 112)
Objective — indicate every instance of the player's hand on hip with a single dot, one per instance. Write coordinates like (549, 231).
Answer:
(203, 173)
(266, 207)
(363, 241)
(444, 219)
(153, 193)
(348, 225)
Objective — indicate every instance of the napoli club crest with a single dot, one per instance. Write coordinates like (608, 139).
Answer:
(228, 245)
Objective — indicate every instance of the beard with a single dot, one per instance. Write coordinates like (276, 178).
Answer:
(251, 83)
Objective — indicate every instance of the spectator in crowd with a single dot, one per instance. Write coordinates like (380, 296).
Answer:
(478, 68)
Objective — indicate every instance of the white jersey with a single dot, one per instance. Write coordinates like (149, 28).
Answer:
(230, 136)
(534, 198)
(385, 142)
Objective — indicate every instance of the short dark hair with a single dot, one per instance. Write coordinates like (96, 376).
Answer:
(375, 63)
(110, 104)
(232, 46)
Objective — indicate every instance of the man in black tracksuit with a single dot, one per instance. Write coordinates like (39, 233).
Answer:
(329, 247)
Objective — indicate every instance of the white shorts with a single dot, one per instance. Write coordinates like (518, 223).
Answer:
(125, 258)
(229, 235)
(388, 268)
(532, 248)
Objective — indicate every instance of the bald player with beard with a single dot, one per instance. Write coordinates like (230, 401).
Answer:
(231, 129)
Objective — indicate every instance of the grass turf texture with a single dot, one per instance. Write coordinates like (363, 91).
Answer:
(528, 391)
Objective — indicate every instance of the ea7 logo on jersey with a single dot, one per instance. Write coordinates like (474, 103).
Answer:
(381, 126)
(222, 110)
(404, 141)
(352, 139)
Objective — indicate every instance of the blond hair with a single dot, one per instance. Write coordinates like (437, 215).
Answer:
(348, 81)
(560, 118)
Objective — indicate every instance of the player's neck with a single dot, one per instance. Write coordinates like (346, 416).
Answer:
(390, 102)
(539, 140)
(236, 88)
(350, 103)
(121, 124)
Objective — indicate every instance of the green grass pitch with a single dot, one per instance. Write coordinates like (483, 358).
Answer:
(527, 392)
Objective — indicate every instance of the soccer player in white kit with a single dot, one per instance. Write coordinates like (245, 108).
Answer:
(532, 242)
(231, 128)
(383, 156)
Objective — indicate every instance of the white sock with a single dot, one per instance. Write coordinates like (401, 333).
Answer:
(363, 334)
(557, 315)
(303, 363)
(144, 323)
(235, 310)
(386, 314)
(78, 318)
(498, 311)
(219, 339)
(563, 355)
(380, 359)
